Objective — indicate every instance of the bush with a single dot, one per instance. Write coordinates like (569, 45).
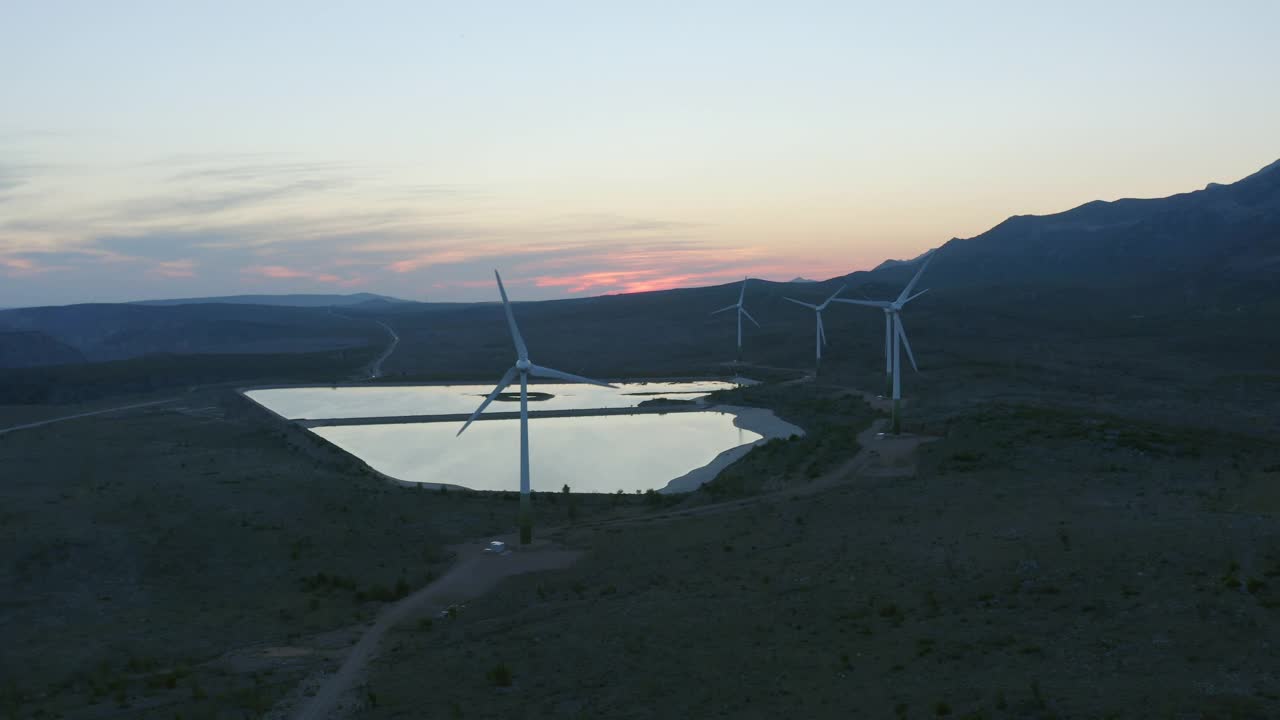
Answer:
(500, 675)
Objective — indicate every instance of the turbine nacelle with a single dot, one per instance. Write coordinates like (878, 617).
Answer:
(523, 367)
(739, 313)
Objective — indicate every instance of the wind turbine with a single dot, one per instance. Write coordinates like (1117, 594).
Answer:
(741, 311)
(523, 368)
(895, 336)
(821, 338)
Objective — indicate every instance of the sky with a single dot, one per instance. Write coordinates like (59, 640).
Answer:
(160, 149)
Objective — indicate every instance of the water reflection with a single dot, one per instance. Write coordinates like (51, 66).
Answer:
(589, 454)
(353, 402)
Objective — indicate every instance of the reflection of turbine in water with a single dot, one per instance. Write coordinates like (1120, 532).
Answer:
(524, 369)
(515, 397)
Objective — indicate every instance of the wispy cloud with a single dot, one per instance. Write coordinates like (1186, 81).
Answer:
(175, 268)
(228, 222)
(278, 272)
(13, 177)
(258, 172)
(17, 264)
(23, 267)
(207, 202)
(281, 272)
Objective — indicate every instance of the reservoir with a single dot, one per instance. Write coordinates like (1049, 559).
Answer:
(672, 451)
(354, 402)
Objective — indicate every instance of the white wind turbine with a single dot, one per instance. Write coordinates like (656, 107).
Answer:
(821, 338)
(741, 311)
(524, 369)
(895, 336)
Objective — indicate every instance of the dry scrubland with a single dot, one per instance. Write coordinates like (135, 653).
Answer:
(137, 551)
(1040, 564)
(202, 560)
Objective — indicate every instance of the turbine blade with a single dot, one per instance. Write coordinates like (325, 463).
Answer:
(724, 309)
(811, 307)
(744, 312)
(868, 303)
(902, 334)
(547, 372)
(521, 350)
(502, 385)
(913, 297)
(742, 295)
(822, 329)
(833, 296)
(911, 285)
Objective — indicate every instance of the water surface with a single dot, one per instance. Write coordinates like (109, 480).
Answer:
(354, 402)
(589, 454)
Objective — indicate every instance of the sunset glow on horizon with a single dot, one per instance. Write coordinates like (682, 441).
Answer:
(407, 149)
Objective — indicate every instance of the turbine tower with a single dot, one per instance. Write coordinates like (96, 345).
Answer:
(741, 311)
(821, 338)
(895, 337)
(523, 368)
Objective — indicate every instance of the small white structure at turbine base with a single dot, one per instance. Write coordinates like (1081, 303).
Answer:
(523, 368)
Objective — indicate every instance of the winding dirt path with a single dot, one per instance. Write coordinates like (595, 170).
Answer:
(120, 408)
(475, 573)
(375, 370)
(472, 575)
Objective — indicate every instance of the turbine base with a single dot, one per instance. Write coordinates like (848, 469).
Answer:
(526, 519)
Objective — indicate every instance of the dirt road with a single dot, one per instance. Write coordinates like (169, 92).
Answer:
(375, 370)
(474, 574)
(120, 408)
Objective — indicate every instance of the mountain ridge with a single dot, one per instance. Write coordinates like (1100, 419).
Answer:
(284, 300)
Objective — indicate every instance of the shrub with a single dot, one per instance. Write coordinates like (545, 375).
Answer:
(500, 675)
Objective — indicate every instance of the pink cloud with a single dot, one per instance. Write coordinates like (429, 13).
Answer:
(586, 281)
(444, 257)
(646, 271)
(281, 272)
(175, 269)
(465, 284)
(278, 272)
(24, 267)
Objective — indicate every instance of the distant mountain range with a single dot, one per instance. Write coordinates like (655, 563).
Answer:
(34, 349)
(301, 300)
(1218, 247)
(102, 332)
(1222, 234)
